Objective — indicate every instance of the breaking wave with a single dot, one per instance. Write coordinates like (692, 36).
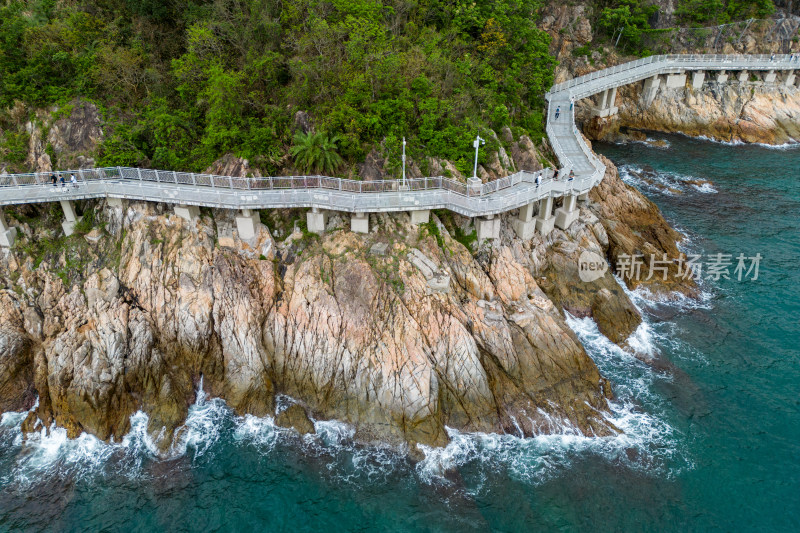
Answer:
(667, 183)
(646, 444)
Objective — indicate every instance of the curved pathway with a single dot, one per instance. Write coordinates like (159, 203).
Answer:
(474, 199)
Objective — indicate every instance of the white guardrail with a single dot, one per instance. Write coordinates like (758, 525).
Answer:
(327, 192)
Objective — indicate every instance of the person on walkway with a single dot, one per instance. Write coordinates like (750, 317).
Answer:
(558, 111)
(63, 181)
(538, 180)
(73, 180)
(571, 175)
(571, 103)
(54, 179)
(772, 57)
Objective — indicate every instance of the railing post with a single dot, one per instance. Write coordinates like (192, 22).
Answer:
(194, 179)
(211, 178)
(139, 173)
(175, 177)
(158, 176)
(230, 182)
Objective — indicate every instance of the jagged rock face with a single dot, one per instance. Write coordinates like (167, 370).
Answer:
(733, 111)
(635, 226)
(525, 155)
(351, 336)
(74, 138)
(230, 165)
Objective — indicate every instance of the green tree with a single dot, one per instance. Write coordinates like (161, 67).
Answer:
(626, 21)
(316, 151)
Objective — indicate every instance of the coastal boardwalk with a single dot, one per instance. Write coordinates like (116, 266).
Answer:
(533, 193)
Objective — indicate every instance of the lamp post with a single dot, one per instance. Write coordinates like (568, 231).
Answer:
(404, 163)
(477, 143)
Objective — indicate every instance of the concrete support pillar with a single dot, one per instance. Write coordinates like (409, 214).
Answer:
(698, 77)
(612, 98)
(583, 197)
(70, 217)
(676, 81)
(770, 77)
(420, 216)
(114, 202)
(524, 225)
(606, 105)
(722, 76)
(316, 220)
(248, 224)
(604, 99)
(488, 227)
(568, 213)
(743, 76)
(359, 223)
(7, 234)
(187, 212)
(545, 220)
(789, 78)
(651, 86)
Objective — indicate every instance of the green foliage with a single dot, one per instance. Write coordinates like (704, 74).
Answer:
(705, 12)
(467, 239)
(626, 22)
(581, 51)
(432, 229)
(316, 151)
(183, 83)
(14, 146)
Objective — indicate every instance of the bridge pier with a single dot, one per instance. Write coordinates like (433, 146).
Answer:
(187, 212)
(698, 77)
(7, 234)
(583, 197)
(606, 106)
(722, 76)
(770, 77)
(359, 222)
(114, 202)
(71, 218)
(789, 78)
(420, 216)
(248, 224)
(650, 90)
(524, 226)
(568, 213)
(316, 220)
(676, 80)
(488, 227)
(743, 76)
(544, 220)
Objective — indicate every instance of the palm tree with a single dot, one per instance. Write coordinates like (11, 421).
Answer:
(315, 151)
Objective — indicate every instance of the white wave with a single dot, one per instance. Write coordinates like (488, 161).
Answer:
(705, 188)
(793, 144)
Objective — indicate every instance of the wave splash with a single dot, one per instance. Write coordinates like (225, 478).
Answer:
(647, 443)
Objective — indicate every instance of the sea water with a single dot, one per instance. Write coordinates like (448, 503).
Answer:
(711, 415)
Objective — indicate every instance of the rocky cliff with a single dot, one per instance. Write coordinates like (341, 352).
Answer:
(734, 111)
(399, 339)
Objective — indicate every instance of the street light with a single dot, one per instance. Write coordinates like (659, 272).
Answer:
(404, 162)
(477, 143)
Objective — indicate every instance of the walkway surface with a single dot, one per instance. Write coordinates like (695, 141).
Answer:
(381, 196)
(567, 142)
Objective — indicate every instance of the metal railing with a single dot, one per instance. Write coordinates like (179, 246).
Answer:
(689, 61)
(169, 177)
(327, 192)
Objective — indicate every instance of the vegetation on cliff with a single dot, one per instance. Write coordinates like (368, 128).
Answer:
(181, 84)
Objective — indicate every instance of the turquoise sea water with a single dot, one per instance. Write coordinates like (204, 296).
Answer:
(712, 428)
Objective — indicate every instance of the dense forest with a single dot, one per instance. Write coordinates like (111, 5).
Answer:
(179, 84)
